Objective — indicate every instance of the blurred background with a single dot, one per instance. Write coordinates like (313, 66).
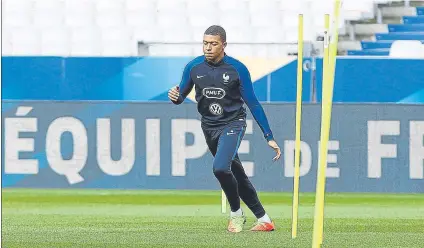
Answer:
(136, 49)
(174, 28)
(94, 59)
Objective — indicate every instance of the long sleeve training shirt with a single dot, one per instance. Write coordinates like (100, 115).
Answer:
(221, 90)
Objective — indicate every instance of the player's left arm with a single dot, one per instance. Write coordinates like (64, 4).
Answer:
(249, 97)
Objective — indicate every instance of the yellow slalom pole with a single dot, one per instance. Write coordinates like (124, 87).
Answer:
(223, 202)
(325, 125)
(332, 53)
(295, 207)
(327, 102)
(331, 74)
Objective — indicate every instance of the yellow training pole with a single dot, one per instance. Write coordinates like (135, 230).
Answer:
(325, 125)
(327, 101)
(331, 74)
(295, 207)
(332, 51)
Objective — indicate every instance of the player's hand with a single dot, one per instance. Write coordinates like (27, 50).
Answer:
(276, 148)
(174, 94)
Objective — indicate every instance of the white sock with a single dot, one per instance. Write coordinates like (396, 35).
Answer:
(265, 219)
(236, 213)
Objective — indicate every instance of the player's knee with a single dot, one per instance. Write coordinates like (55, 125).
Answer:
(218, 172)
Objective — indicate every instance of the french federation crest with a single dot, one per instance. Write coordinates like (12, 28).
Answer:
(226, 77)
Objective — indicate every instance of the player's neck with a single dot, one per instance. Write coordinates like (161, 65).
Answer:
(220, 57)
(218, 60)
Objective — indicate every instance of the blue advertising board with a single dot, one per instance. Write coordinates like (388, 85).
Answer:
(129, 145)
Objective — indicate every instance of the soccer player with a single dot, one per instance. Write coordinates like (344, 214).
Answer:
(222, 86)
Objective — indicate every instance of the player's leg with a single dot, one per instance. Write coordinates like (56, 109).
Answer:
(228, 144)
(236, 223)
(211, 137)
(246, 190)
(250, 197)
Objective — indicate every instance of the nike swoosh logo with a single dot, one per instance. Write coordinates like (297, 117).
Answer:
(200, 76)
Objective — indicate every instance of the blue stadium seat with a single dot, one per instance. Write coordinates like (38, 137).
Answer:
(400, 36)
(413, 19)
(406, 27)
(420, 10)
(383, 44)
(369, 52)
(376, 44)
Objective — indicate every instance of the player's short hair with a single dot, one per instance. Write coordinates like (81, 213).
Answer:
(217, 30)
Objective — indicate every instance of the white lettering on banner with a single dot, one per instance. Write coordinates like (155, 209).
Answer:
(69, 168)
(180, 151)
(416, 150)
(305, 158)
(104, 157)
(331, 172)
(153, 147)
(14, 145)
(19, 129)
(377, 150)
(244, 148)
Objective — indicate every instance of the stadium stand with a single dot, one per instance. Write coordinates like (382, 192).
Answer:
(393, 23)
(174, 27)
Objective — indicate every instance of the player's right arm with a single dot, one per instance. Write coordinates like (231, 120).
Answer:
(177, 94)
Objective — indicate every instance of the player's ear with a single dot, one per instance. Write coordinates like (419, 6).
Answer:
(224, 45)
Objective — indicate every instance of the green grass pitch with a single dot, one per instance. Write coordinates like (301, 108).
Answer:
(130, 218)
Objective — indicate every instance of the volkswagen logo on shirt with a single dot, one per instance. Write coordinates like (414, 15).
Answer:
(216, 93)
(215, 109)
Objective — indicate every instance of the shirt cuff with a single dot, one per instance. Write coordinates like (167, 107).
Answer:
(179, 101)
(269, 137)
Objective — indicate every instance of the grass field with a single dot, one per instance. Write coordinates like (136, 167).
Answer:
(113, 218)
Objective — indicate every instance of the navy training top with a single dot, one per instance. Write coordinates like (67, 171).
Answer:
(221, 90)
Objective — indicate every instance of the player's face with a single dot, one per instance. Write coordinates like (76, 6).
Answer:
(213, 47)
